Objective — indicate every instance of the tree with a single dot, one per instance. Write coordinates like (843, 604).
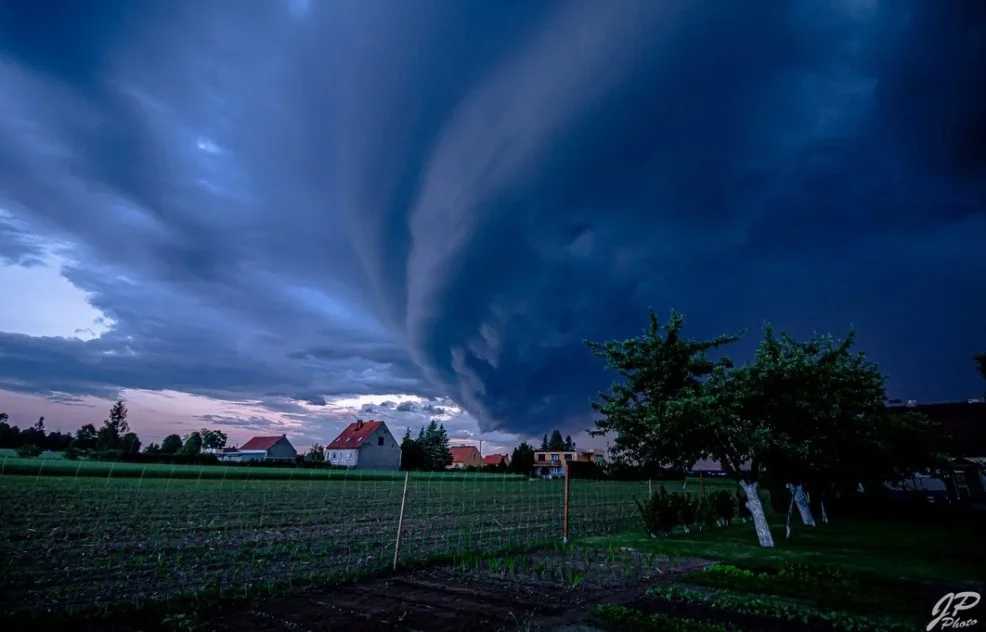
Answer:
(152, 448)
(213, 440)
(86, 437)
(113, 429)
(434, 443)
(569, 444)
(822, 409)
(316, 454)
(192, 445)
(413, 456)
(130, 442)
(3, 418)
(40, 426)
(522, 459)
(172, 444)
(556, 443)
(980, 364)
(673, 406)
(544, 443)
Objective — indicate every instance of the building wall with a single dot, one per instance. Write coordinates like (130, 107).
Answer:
(282, 451)
(343, 458)
(374, 456)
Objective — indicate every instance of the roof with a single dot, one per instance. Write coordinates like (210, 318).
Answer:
(354, 435)
(494, 459)
(462, 453)
(261, 443)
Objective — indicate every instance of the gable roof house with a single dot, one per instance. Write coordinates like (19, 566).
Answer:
(496, 460)
(261, 449)
(365, 445)
(464, 456)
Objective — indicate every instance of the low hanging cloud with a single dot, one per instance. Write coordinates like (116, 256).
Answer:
(285, 206)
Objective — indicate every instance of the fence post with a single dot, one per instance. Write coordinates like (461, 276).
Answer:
(400, 521)
(565, 514)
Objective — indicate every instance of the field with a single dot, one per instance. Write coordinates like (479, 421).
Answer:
(209, 548)
(141, 533)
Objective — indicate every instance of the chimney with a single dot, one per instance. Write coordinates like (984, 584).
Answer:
(359, 424)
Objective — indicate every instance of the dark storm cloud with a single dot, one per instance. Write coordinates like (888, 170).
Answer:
(446, 198)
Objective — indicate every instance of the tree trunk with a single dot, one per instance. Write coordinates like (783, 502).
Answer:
(755, 506)
(801, 500)
(825, 516)
(790, 510)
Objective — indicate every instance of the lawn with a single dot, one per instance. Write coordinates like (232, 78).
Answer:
(844, 575)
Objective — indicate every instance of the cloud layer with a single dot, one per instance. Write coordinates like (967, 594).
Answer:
(311, 200)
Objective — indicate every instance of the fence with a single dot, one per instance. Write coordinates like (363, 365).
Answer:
(143, 532)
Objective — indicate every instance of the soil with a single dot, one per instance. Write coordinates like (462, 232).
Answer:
(439, 599)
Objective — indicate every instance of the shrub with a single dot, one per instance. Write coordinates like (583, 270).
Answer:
(687, 510)
(29, 451)
(706, 513)
(741, 508)
(724, 506)
(659, 512)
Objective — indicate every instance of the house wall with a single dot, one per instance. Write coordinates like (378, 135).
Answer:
(373, 456)
(343, 458)
(282, 451)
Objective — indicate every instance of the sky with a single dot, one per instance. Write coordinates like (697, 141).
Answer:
(278, 215)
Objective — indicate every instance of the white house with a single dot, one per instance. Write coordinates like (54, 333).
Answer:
(261, 449)
(365, 445)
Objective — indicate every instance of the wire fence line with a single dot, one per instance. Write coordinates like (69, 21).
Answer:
(71, 542)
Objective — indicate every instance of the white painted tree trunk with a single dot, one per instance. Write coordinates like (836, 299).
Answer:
(801, 500)
(755, 506)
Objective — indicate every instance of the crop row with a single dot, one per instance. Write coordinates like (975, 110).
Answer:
(164, 539)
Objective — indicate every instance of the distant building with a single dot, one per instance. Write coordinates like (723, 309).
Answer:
(365, 445)
(964, 423)
(464, 456)
(552, 463)
(496, 460)
(261, 449)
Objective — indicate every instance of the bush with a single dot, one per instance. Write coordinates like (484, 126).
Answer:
(741, 508)
(723, 506)
(72, 454)
(29, 451)
(660, 512)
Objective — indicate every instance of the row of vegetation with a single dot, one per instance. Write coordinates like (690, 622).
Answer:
(112, 441)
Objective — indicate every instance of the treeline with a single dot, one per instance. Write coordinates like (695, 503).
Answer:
(111, 441)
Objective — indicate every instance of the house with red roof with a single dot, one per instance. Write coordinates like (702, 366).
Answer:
(496, 460)
(464, 456)
(276, 448)
(365, 445)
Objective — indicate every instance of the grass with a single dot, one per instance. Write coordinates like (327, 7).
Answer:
(888, 549)
(846, 575)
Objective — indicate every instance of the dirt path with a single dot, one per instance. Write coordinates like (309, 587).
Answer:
(436, 599)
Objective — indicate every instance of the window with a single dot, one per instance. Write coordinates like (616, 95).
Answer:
(554, 458)
(568, 457)
(379, 440)
(540, 457)
(333, 455)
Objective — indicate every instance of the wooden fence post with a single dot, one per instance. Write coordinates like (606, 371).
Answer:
(565, 515)
(400, 521)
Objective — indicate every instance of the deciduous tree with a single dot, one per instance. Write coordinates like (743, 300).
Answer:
(316, 454)
(172, 444)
